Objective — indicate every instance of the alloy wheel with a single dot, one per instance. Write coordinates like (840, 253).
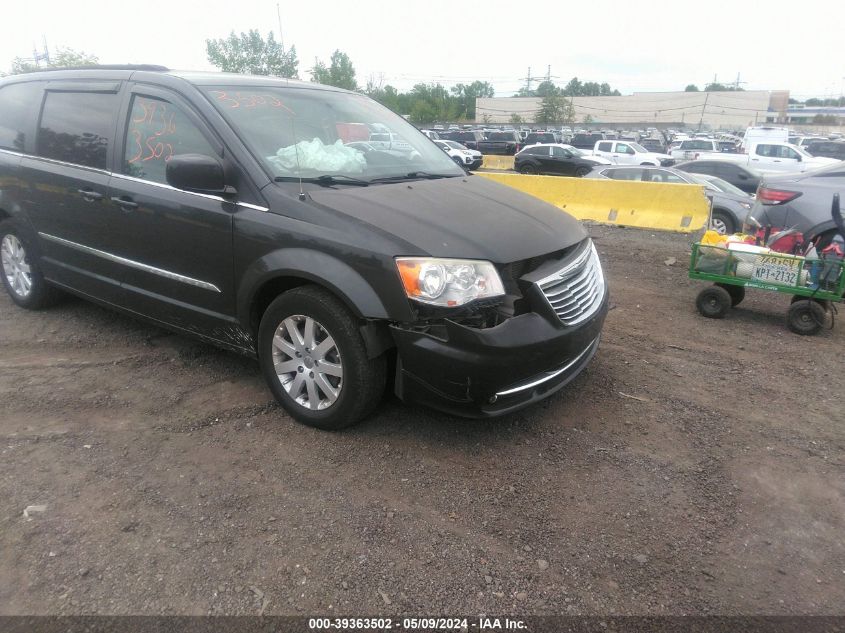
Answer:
(307, 362)
(718, 225)
(16, 266)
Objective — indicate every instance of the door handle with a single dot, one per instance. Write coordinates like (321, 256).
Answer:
(124, 203)
(89, 194)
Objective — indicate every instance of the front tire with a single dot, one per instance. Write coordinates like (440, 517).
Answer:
(581, 172)
(528, 170)
(315, 362)
(722, 223)
(20, 271)
(713, 302)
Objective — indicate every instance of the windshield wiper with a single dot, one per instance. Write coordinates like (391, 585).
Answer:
(326, 179)
(413, 175)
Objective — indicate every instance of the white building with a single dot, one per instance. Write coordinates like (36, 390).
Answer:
(732, 110)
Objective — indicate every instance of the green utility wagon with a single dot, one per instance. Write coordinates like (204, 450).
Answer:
(815, 284)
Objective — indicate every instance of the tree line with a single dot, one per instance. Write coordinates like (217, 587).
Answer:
(424, 103)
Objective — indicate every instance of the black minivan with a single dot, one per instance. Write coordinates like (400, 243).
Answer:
(255, 213)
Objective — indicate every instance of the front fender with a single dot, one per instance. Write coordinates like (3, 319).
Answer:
(323, 269)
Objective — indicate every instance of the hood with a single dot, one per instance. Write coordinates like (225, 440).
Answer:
(598, 160)
(821, 160)
(730, 198)
(471, 218)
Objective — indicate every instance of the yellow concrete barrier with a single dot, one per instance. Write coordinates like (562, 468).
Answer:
(497, 162)
(648, 205)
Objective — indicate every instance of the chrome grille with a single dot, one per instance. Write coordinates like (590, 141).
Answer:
(575, 292)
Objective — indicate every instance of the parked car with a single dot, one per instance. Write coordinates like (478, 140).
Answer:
(830, 149)
(654, 145)
(804, 141)
(469, 158)
(557, 159)
(729, 207)
(740, 176)
(628, 153)
(368, 148)
(800, 201)
(764, 134)
(586, 140)
(390, 141)
(691, 149)
(468, 138)
(538, 138)
(222, 206)
(504, 142)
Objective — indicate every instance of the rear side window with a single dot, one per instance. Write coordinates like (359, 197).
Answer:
(17, 101)
(157, 131)
(77, 127)
(605, 147)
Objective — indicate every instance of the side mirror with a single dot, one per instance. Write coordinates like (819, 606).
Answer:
(196, 172)
(742, 176)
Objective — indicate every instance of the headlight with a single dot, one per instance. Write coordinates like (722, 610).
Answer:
(448, 282)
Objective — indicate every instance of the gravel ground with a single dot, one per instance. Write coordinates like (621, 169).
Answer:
(696, 467)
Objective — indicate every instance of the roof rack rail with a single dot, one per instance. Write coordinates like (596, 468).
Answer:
(147, 67)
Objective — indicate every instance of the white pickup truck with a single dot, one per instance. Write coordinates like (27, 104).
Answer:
(692, 148)
(775, 157)
(630, 153)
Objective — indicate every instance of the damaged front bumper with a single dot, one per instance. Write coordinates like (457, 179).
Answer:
(478, 373)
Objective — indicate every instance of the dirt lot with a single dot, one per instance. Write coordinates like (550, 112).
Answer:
(174, 485)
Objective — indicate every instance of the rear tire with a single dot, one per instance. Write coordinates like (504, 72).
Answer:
(713, 302)
(315, 362)
(20, 270)
(737, 293)
(806, 317)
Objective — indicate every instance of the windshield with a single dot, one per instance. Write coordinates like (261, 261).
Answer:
(454, 145)
(309, 133)
(573, 150)
(638, 148)
(802, 151)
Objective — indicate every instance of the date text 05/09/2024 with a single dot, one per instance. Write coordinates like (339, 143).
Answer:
(417, 624)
